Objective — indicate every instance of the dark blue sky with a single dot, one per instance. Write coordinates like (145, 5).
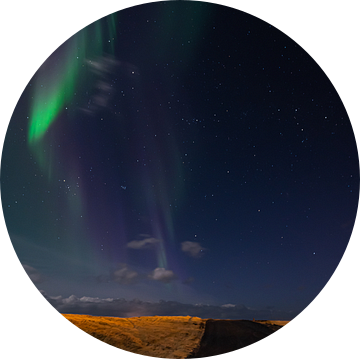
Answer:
(201, 157)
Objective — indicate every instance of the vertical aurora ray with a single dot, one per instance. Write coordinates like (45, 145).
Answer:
(164, 186)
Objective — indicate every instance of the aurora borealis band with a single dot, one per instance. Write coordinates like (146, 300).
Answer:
(56, 88)
(164, 153)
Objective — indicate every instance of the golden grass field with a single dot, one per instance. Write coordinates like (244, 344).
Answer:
(163, 337)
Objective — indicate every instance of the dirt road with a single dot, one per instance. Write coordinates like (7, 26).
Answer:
(223, 336)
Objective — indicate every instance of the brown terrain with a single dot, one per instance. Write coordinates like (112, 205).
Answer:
(175, 337)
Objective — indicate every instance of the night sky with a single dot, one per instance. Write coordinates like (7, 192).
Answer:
(175, 154)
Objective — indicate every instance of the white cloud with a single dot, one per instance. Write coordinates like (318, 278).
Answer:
(71, 300)
(95, 300)
(144, 243)
(228, 306)
(124, 275)
(162, 275)
(193, 249)
(103, 65)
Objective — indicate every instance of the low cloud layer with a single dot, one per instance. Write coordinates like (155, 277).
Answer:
(119, 307)
(193, 249)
